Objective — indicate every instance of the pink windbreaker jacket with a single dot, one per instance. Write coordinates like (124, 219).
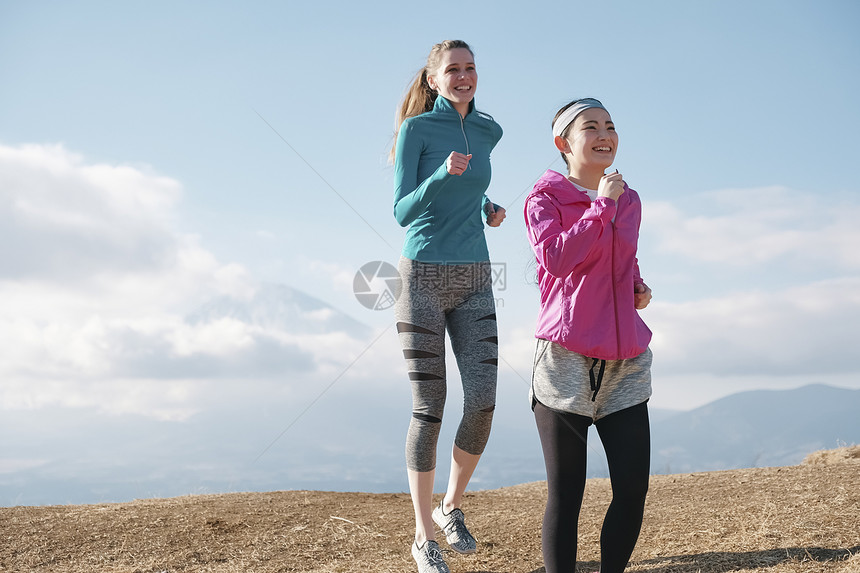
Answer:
(586, 268)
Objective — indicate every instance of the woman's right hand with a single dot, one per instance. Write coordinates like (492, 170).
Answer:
(611, 185)
(457, 163)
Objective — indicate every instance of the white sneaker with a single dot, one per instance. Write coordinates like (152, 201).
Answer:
(429, 558)
(454, 527)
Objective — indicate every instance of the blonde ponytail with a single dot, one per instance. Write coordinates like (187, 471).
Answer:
(420, 97)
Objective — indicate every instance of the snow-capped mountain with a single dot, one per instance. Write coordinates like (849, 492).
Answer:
(283, 308)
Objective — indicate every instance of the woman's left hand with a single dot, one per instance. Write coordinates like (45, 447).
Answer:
(641, 296)
(495, 216)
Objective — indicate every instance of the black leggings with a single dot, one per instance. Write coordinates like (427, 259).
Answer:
(626, 439)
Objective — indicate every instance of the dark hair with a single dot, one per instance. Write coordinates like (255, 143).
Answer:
(420, 97)
(566, 129)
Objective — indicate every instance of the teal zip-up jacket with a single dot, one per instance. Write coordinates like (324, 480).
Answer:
(444, 212)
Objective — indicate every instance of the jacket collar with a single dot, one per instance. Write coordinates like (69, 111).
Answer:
(442, 105)
(557, 185)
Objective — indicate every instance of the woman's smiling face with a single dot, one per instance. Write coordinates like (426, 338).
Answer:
(592, 138)
(456, 77)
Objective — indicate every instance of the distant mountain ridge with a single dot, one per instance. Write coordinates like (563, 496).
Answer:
(215, 451)
(284, 308)
(758, 428)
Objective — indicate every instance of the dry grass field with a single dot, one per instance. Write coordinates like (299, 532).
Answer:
(768, 520)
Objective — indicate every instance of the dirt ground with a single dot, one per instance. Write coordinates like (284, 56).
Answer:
(767, 520)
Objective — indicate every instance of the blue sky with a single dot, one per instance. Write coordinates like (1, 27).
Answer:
(156, 155)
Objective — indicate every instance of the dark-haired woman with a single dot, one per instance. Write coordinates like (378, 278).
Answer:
(592, 362)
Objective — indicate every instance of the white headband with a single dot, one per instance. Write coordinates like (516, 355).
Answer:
(568, 115)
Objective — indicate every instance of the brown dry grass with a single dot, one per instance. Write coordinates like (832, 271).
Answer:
(768, 520)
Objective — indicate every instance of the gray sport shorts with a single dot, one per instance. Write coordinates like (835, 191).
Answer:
(562, 380)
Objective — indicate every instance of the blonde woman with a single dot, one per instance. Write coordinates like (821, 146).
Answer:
(441, 172)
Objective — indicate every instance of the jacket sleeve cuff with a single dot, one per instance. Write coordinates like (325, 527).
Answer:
(604, 208)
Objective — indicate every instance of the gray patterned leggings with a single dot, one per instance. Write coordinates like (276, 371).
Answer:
(458, 298)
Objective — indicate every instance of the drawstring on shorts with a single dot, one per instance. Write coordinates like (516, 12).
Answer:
(595, 382)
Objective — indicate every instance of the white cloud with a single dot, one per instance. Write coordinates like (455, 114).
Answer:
(756, 288)
(516, 353)
(100, 231)
(95, 293)
(16, 465)
(748, 227)
(806, 329)
(154, 398)
(340, 276)
(63, 219)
